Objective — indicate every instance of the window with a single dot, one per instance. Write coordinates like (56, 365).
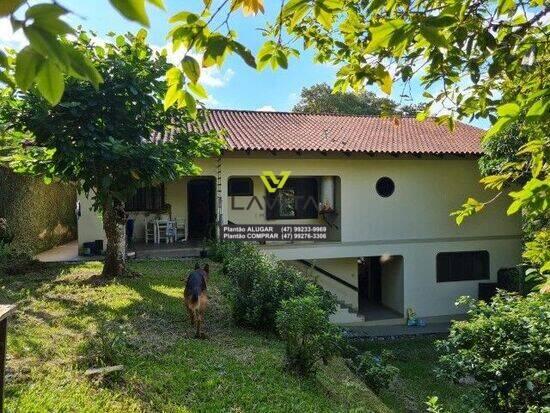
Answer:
(385, 187)
(462, 266)
(240, 187)
(147, 199)
(297, 200)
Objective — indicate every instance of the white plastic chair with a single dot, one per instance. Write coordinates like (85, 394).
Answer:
(180, 230)
(165, 231)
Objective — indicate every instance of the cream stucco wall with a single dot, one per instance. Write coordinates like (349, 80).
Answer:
(393, 283)
(413, 223)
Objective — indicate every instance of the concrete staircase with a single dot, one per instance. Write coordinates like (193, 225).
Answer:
(346, 312)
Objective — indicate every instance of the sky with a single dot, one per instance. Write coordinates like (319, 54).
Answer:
(233, 86)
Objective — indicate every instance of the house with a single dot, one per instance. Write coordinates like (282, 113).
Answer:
(386, 189)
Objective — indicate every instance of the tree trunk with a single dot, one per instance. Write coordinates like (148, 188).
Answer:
(115, 252)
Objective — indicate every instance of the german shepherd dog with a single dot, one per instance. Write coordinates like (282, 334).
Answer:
(195, 297)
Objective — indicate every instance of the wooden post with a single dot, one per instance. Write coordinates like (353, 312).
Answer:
(5, 312)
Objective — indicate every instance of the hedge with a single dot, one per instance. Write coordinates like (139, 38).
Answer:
(41, 216)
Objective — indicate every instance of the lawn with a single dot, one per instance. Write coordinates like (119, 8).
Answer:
(416, 359)
(69, 320)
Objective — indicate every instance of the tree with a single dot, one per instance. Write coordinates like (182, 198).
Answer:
(105, 139)
(320, 98)
(485, 59)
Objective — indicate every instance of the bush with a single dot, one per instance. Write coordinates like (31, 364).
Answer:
(40, 216)
(259, 284)
(6, 234)
(505, 347)
(221, 251)
(376, 371)
(14, 261)
(303, 322)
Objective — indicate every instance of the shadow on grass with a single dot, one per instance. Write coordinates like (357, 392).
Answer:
(71, 319)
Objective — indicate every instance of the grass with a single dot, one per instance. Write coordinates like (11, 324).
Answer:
(417, 359)
(69, 320)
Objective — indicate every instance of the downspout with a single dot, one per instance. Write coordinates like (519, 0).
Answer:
(219, 197)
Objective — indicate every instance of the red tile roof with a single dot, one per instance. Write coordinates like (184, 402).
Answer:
(284, 131)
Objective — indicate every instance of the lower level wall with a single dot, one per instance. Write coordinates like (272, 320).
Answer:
(343, 268)
(421, 291)
(41, 216)
(393, 283)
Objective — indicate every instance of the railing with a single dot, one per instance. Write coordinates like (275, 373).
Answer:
(330, 275)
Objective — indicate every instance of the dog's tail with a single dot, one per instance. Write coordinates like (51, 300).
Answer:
(194, 297)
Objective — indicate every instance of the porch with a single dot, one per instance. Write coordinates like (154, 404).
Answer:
(187, 249)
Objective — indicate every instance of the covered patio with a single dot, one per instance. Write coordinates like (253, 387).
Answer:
(187, 249)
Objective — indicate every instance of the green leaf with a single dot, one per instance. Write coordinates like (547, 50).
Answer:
(514, 207)
(173, 76)
(538, 110)
(133, 10)
(297, 9)
(281, 59)
(191, 104)
(27, 64)
(53, 25)
(198, 90)
(3, 59)
(191, 68)
(46, 44)
(49, 82)
(171, 96)
(45, 11)
(496, 128)
(323, 14)
(385, 82)
(381, 34)
(243, 52)
(184, 16)
(433, 36)
(6, 79)
(82, 67)
(508, 109)
(9, 6)
(216, 50)
(158, 3)
(504, 6)
(265, 54)
(422, 115)
(141, 34)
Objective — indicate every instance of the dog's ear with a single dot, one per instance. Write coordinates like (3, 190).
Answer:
(206, 268)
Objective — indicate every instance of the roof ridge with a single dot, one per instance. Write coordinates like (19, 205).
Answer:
(285, 112)
(344, 115)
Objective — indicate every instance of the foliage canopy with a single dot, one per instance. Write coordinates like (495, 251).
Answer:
(484, 59)
(105, 139)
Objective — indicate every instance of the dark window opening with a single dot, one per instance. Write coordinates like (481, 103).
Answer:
(385, 187)
(297, 200)
(240, 187)
(147, 199)
(462, 266)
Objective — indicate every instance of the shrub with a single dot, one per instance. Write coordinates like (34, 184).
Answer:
(221, 251)
(6, 234)
(303, 322)
(14, 261)
(376, 371)
(40, 216)
(505, 347)
(259, 284)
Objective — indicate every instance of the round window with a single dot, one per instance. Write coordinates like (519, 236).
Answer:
(385, 187)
